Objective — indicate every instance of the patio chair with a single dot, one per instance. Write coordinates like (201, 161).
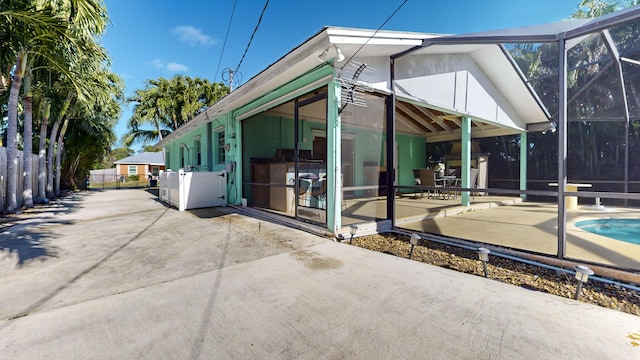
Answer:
(304, 185)
(454, 183)
(320, 193)
(416, 179)
(473, 175)
(428, 179)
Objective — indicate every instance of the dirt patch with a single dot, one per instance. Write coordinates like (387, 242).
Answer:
(314, 261)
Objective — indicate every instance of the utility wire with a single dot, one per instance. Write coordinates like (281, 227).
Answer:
(374, 34)
(254, 32)
(224, 44)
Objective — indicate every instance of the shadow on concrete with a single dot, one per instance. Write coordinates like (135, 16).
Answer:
(153, 191)
(88, 270)
(206, 320)
(21, 234)
(27, 246)
(208, 213)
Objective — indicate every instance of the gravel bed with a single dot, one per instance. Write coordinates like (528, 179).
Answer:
(512, 272)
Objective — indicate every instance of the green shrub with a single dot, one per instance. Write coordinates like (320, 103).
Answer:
(133, 178)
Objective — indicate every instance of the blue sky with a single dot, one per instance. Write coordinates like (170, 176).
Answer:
(149, 39)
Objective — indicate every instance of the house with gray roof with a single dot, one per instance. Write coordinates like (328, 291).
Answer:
(140, 164)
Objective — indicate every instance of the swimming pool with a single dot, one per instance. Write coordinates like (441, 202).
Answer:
(627, 230)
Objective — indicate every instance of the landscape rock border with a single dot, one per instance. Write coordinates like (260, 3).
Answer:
(527, 276)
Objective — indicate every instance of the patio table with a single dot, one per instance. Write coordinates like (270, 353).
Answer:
(571, 202)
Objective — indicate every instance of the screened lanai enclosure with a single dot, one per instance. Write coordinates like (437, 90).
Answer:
(585, 74)
(522, 139)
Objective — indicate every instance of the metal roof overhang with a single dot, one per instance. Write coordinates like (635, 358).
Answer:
(552, 32)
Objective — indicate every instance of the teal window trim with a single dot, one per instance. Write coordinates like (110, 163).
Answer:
(220, 149)
(197, 149)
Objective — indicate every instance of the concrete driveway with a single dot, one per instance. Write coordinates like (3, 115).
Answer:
(116, 274)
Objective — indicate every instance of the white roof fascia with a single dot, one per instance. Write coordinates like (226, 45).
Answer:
(353, 33)
(297, 62)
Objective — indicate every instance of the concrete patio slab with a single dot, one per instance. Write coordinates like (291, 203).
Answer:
(116, 274)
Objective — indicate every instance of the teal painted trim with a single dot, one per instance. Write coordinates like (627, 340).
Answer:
(524, 153)
(208, 148)
(235, 178)
(334, 178)
(466, 159)
(306, 79)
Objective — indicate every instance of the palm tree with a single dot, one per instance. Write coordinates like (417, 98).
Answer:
(90, 131)
(167, 104)
(42, 152)
(12, 133)
(42, 29)
(54, 132)
(27, 195)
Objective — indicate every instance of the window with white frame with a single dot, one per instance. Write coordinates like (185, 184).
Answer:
(197, 148)
(167, 155)
(133, 170)
(181, 157)
(221, 152)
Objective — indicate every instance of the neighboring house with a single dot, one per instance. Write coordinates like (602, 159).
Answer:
(140, 164)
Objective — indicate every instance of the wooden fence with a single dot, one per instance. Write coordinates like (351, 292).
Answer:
(102, 176)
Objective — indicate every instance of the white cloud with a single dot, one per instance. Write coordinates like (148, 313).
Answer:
(170, 67)
(192, 36)
(157, 63)
(175, 67)
(125, 76)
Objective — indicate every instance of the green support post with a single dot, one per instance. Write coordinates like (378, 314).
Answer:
(466, 159)
(524, 153)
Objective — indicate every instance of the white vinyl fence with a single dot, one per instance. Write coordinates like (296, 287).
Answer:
(193, 190)
(20, 182)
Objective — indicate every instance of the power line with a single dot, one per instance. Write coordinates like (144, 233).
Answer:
(375, 32)
(254, 32)
(224, 44)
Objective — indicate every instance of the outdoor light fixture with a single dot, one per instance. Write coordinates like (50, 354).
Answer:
(339, 56)
(483, 254)
(353, 229)
(542, 127)
(582, 274)
(414, 241)
(324, 55)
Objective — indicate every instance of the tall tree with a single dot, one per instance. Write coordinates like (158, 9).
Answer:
(166, 104)
(51, 30)
(25, 28)
(27, 194)
(42, 151)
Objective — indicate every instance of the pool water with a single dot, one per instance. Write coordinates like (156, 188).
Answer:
(627, 230)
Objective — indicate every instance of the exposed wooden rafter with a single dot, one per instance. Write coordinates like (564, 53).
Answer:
(410, 123)
(480, 125)
(409, 112)
(438, 119)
